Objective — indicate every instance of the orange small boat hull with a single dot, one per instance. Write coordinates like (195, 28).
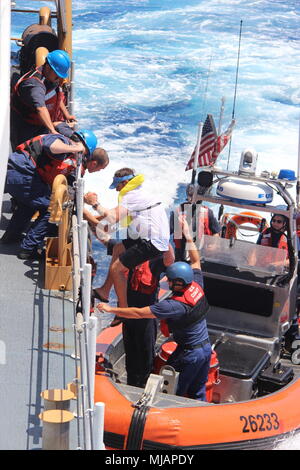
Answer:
(257, 423)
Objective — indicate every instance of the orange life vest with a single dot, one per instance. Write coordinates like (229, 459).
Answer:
(190, 296)
(197, 307)
(298, 225)
(46, 164)
(266, 240)
(53, 99)
(143, 280)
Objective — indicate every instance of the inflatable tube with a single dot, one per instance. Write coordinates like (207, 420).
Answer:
(252, 424)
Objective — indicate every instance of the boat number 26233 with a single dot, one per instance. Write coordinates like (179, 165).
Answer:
(260, 423)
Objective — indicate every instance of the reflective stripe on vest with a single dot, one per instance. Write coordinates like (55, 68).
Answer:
(48, 167)
(52, 100)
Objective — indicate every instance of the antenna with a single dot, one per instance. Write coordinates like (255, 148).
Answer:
(206, 87)
(235, 88)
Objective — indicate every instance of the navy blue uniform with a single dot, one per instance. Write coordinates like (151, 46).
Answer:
(24, 184)
(140, 335)
(33, 93)
(192, 364)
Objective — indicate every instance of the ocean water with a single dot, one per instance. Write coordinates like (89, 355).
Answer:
(148, 71)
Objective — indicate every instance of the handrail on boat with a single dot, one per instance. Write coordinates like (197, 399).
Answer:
(45, 16)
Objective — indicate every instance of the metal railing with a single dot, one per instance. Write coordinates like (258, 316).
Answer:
(90, 416)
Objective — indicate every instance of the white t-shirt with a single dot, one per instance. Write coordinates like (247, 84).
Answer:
(151, 224)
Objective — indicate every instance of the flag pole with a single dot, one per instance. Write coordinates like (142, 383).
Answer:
(221, 115)
(236, 82)
(206, 87)
(195, 163)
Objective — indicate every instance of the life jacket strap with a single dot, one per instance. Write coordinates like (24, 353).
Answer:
(147, 208)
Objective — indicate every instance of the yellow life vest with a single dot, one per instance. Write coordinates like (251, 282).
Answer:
(132, 184)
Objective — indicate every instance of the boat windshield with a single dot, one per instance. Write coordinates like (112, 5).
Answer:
(244, 256)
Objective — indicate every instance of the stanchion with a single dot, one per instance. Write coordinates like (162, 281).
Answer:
(57, 399)
(98, 426)
(56, 429)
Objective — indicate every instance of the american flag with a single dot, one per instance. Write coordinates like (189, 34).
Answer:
(211, 144)
(222, 141)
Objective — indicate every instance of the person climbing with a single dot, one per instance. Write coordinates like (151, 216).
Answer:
(30, 174)
(185, 311)
(37, 101)
(148, 229)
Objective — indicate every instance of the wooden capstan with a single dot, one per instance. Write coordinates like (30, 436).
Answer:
(58, 249)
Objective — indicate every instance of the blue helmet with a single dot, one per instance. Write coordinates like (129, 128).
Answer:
(89, 139)
(180, 270)
(60, 62)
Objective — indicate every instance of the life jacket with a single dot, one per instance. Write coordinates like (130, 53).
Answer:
(200, 225)
(194, 299)
(53, 99)
(134, 183)
(143, 280)
(48, 167)
(266, 240)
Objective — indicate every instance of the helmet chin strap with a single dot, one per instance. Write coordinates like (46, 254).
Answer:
(180, 286)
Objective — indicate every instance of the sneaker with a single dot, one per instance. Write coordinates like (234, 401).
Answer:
(31, 254)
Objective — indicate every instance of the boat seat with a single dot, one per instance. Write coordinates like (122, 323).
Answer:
(241, 360)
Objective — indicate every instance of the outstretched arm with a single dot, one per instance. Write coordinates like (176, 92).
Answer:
(128, 312)
(67, 115)
(192, 249)
(45, 118)
(112, 215)
(58, 146)
(168, 256)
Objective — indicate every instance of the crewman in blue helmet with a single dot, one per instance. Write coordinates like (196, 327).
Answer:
(185, 312)
(30, 174)
(37, 104)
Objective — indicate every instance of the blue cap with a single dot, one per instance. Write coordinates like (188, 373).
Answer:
(120, 179)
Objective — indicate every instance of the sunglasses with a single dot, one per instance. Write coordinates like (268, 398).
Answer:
(277, 221)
